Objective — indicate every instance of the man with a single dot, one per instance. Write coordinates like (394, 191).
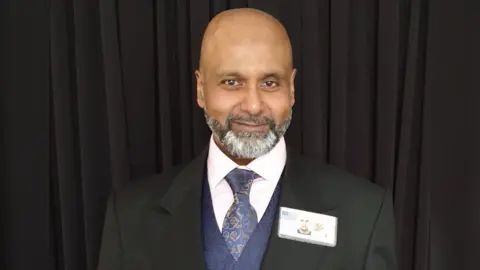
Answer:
(221, 211)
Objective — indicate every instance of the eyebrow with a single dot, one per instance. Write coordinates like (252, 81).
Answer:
(229, 74)
(234, 74)
(275, 75)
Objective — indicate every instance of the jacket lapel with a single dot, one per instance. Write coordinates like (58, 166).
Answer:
(297, 192)
(183, 235)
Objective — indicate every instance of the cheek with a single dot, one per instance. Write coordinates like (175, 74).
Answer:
(219, 106)
(280, 109)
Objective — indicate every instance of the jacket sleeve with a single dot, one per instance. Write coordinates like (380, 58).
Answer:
(111, 248)
(381, 254)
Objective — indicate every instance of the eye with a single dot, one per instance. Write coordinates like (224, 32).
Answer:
(270, 84)
(230, 82)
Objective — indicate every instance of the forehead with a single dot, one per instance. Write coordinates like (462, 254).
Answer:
(249, 57)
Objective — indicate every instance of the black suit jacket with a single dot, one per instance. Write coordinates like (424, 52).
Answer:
(155, 223)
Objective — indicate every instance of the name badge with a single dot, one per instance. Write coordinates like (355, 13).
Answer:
(307, 227)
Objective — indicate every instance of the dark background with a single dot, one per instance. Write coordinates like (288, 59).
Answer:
(97, 92)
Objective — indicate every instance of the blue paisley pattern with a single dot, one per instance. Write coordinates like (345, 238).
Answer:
(241, 219)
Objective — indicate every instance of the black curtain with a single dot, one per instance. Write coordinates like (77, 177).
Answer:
(95, 93)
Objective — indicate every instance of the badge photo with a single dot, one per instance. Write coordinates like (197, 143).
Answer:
(307, 227)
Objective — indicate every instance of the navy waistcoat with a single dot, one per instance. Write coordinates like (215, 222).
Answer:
(217, 256)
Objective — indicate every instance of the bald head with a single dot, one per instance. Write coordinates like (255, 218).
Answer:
(245, 82)
(235, 27)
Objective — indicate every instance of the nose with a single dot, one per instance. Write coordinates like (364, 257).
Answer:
(252, 103)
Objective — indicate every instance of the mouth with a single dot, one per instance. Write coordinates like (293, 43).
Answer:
(249, 127)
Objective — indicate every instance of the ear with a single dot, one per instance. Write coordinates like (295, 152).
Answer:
(292, 87)
(200, 89)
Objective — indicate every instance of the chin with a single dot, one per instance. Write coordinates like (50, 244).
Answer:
(250, 134)
(249, 145)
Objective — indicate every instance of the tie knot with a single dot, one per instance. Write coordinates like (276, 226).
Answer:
(240, 180)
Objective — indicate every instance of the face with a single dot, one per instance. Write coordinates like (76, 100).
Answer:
(247, 92)
(304, 225)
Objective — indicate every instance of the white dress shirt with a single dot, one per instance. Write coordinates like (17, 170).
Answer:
(269, 167)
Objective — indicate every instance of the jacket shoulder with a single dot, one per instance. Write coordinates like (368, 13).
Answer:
(339, 185)
(342, 177)
(147, 188)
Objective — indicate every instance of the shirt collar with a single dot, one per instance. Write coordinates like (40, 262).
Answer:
(269, 166)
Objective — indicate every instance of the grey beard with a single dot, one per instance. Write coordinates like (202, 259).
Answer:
(248, 145)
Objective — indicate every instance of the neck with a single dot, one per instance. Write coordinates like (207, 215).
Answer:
(239, 161)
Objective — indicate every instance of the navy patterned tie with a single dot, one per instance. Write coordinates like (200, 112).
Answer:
(241, 218)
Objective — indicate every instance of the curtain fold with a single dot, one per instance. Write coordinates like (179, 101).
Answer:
(98, 93)
(25, 104)
(115, 92)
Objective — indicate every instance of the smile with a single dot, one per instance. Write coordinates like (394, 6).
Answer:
(249, 127)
